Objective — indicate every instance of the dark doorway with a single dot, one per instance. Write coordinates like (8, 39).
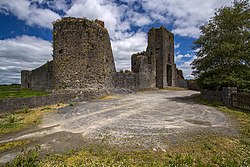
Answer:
(169, 75)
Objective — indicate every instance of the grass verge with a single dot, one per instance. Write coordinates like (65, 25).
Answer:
(24, 118)
(15, 91)
(14, 144)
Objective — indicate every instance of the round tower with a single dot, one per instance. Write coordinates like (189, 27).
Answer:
(82, 55)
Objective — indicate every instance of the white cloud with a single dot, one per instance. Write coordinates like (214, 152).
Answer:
(138, 19)
(107, 11)
(59, 5)
(193, 32)
(186, 16)
(125, 47)
(24, 10)
(24, 52)
(176, 46)
(179, 57)
(185, 66)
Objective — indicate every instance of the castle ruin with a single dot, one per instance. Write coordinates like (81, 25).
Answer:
(83, 60)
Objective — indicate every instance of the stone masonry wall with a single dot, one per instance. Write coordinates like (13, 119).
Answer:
(25, 78)
(136, 61)
(156, 65)
(221, 96)
(82, 55)
(126, 80)
(38, 79)
(13, 104)
(161, 49)
(144, 77)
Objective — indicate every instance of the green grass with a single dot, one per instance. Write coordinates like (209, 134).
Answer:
(14, 144)
(15, 91)
(28, 157)
(98, 155)
(24, 118)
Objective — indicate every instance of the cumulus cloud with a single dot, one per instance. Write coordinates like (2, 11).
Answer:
(187, 16)
(124, 48)
(58, 5)
(138, 19)
(28, 12)
(107, 11)
(179, 57)
(185, 66)
(23, 52)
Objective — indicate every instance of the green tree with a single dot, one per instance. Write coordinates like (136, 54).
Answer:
(223, 56)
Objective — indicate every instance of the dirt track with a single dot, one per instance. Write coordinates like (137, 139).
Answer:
(151, 119)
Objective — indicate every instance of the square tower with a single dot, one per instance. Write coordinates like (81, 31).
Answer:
(161, 53)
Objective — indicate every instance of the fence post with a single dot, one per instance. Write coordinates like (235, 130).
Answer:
(227, 91)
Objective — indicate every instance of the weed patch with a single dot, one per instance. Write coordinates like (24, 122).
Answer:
(10, 145)
(26, 158)
(23, 119)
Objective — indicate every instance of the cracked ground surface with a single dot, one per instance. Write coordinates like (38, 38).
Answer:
(150, 119)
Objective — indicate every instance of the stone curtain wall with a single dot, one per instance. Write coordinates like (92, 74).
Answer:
(229, 97)
(38, 79)
(181, 83)
(126, 80)
(144, 76)
(221, 96)
(212, 95)
(82, 55)
(12, 104)
(240, 100)
(141, 65)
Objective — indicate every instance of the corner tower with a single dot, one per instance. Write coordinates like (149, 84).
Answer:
(82, 55)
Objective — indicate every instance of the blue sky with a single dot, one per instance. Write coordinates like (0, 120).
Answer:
(26, 38)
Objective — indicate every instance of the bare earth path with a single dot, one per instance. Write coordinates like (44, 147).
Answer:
(151, 119)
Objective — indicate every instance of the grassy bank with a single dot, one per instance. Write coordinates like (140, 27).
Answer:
(24, 118)
(14, 144)
(15, 91)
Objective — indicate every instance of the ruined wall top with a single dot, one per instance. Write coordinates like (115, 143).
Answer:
(77, 21)
(161, 29)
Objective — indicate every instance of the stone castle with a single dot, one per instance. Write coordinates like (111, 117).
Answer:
(83, 60)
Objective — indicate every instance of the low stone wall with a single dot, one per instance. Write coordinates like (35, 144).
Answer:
(38, 79)
(126, 80)
(192, 85)
(12, 104)
(181, 83)
(212, 95)
(223, 96)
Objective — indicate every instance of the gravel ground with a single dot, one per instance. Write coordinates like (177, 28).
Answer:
(150, 119)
